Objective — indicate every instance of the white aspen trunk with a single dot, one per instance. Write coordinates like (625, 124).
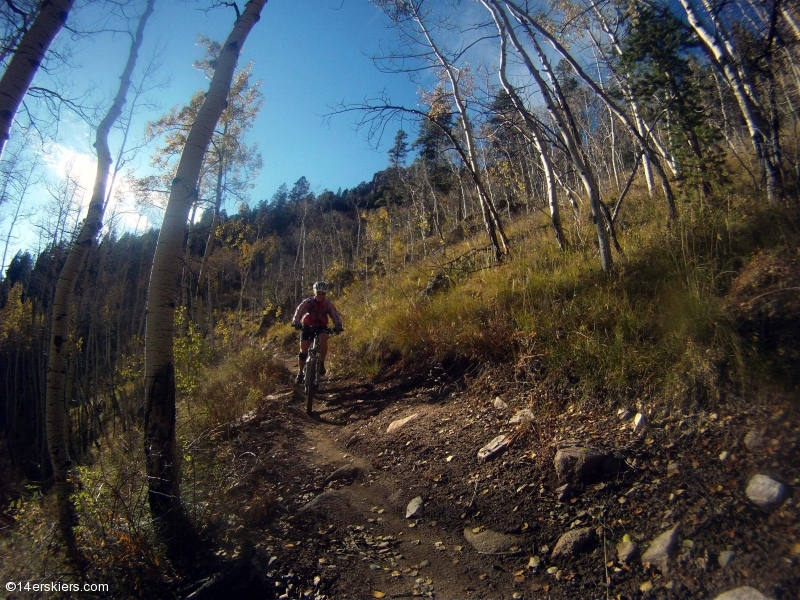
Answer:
(796, 73)
(202, 274)
(163, 461)
(56, 418)
(566, 132)
(533, 128)
(670, 159)
(462, 193)
(612, 131)
(722, 39)
(22, 67)
(648, 167)
(613, 148)
(434, 204)
(494, 226)
(792, 21)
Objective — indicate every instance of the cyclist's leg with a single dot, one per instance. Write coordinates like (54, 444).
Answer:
(323, 351)
(302, 356)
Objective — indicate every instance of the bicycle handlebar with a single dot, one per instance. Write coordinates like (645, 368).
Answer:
(316, 331)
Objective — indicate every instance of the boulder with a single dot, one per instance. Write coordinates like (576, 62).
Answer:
(662, 549)
(765, 492)
(573, 542)
(576, 464)
(395, 425)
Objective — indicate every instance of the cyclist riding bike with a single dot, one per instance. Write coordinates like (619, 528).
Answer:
(312, 318)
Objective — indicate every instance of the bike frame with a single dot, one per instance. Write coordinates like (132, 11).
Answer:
(312, 366)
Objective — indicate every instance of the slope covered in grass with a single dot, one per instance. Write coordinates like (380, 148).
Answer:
(664, 325)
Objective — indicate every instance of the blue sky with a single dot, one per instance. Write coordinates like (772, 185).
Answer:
(311, 56)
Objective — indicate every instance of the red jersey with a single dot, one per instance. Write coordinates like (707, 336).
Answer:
(315, 313)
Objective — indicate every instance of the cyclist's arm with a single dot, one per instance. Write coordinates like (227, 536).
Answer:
(334, 314)
(300, 313)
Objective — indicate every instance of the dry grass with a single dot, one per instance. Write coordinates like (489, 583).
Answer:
(656, 328)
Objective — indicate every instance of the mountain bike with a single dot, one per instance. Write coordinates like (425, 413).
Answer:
(313, 365)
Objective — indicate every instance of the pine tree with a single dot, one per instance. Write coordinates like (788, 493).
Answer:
(399, 151)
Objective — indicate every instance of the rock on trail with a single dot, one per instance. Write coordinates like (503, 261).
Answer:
(415, 508)
(661, 550)
(573, 542)
(765, 492)
(395, 425)
(627, 551)
(576, 464)
(494, 448)
(490, 542)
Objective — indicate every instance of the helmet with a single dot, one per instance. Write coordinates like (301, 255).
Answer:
(321, 286)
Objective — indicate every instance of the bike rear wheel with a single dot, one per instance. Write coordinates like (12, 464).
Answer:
(311, 382)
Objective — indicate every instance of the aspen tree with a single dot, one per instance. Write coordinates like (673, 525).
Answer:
(25, 62)
(559, 111)
(719, 46)
(55, 404)
(529, 22)
(163, 460)
(533, 128)
(410, 12)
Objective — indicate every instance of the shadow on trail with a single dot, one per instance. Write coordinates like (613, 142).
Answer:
(318, 416)
(340, 402)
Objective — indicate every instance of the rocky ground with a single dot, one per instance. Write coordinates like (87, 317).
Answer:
(382, 494)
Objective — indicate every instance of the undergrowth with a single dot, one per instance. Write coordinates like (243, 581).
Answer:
(115, 530)
(230, 391)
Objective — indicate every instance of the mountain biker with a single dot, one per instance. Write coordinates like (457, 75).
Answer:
(312, 315)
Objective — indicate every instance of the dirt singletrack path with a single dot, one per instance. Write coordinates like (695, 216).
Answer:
(401, 559)
(383, 554)
(339, 481)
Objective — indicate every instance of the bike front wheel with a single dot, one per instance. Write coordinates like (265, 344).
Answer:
(311, 382)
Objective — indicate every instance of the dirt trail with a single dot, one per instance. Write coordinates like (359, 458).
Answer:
(401, 559)
(382, 551)
(349, 538)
